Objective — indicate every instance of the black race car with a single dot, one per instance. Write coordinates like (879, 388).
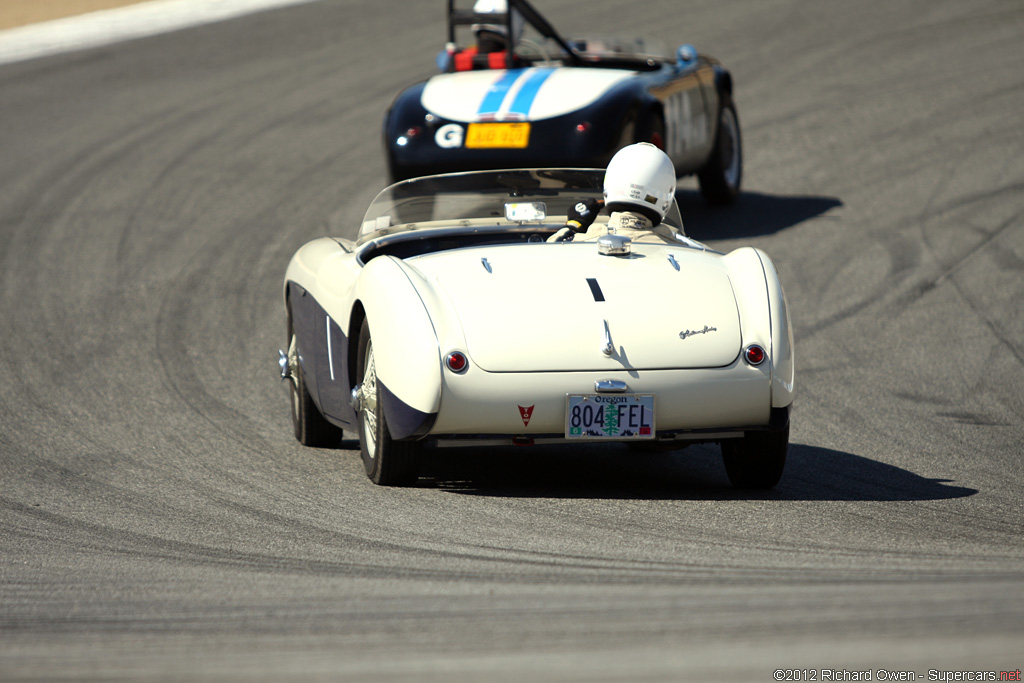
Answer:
(550, 101)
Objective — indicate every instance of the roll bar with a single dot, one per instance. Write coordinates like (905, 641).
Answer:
(463, 17)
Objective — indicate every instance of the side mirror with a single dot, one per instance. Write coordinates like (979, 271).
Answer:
(686, 55)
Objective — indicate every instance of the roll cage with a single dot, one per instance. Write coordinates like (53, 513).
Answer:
(604, 52)
(463, 17)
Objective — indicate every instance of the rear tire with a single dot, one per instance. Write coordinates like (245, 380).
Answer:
(311, 428)
(387, 462)
(756, 461)
(722, 174)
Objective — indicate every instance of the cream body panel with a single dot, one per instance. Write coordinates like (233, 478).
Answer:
(479, 402)
(405, 345)
(747, 274)
(765, 314)
(529, 323)
(460, 96)
(329, 272)
(305, 266)
(532, 309)
(784, 362)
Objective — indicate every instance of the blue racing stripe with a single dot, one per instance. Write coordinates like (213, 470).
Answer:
(497, 91)
(528, 93)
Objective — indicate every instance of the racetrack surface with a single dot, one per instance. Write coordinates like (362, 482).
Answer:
(160, 522)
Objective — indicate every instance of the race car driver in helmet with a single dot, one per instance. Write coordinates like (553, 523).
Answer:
(494, 37)
(494, 48)
(639, 186)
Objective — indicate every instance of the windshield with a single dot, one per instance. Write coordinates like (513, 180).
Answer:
(619, 47)
(486, 198)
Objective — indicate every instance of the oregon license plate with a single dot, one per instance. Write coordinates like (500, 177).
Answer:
(621, 417)
(498, 135)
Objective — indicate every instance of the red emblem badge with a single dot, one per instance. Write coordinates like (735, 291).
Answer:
(526, 413)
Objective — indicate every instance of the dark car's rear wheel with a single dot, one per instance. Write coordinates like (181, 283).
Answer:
(387, 462)
(311, 429)
(721, 176)
(756, 461)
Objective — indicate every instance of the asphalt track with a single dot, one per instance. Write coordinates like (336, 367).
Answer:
(158, 521)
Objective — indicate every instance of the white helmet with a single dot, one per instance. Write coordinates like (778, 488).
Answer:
(498, 8)
(640, 178)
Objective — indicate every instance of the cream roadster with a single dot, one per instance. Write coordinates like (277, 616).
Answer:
(450, 321)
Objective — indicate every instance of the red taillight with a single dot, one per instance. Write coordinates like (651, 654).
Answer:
(456, 361)
(583, 127)
(754, 354)
(413, 132)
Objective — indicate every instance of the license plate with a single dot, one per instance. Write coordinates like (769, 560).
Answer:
(498, 135)
(622, 417)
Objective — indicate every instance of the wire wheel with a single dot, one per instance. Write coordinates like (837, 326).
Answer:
(722, 175)
(387, 462)
(370, 403)
(310, 427)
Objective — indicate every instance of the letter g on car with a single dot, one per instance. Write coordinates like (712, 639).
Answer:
(449, 136)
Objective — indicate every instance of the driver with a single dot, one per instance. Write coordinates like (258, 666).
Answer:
(639, 186)
(492, 40)
(494, 37)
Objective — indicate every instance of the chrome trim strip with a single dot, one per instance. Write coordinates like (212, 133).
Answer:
(330, 353)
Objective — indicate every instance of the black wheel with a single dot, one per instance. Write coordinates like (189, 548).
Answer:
(720, 178)
(387, 462)
(311, 429)
(756, 461)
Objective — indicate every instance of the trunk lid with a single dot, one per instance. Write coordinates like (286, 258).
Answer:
(543, 308)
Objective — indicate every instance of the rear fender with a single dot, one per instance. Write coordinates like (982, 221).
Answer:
(405, 346)
(764, 316)
(783, 363)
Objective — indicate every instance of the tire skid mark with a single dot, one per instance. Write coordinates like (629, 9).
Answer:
(531, 568)
(987, 241)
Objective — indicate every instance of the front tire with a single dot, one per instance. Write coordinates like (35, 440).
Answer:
(721, 176)
(756, 461)
(311, 428)
(387, 462)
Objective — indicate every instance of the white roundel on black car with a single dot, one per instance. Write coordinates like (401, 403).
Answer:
(449, 136)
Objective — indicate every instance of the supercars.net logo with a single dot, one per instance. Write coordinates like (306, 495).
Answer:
(892, 675)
